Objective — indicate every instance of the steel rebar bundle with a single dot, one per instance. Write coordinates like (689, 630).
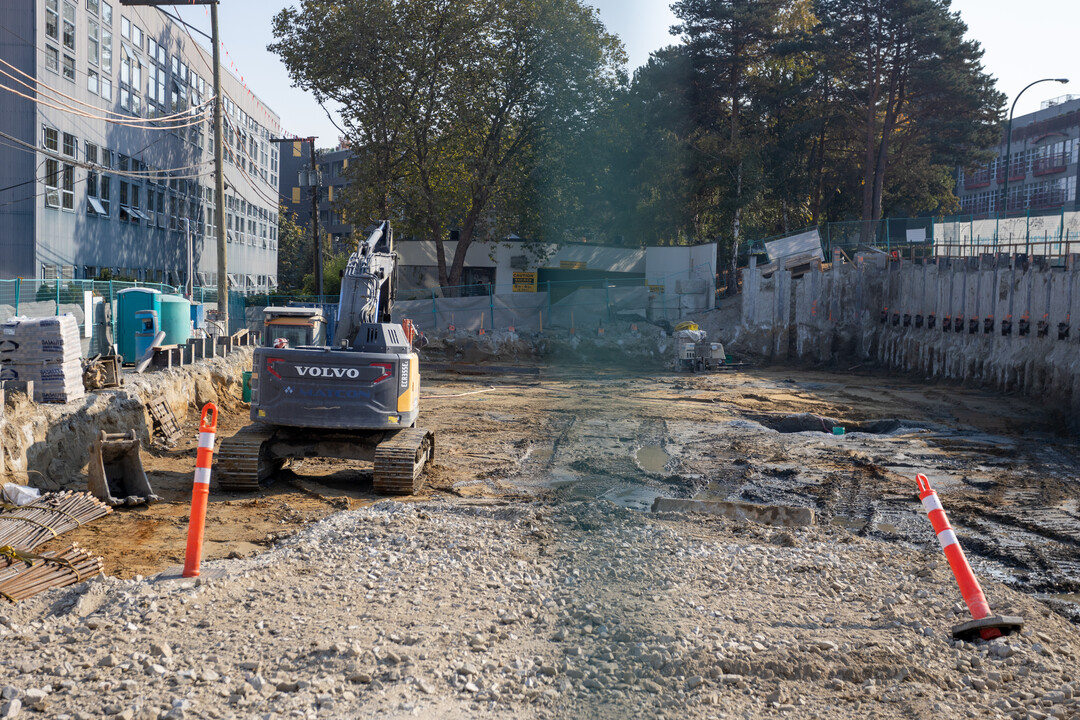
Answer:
(54, 513)
(21, 578)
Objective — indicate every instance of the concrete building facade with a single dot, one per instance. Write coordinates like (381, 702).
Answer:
(107, 147)
(1042, 170)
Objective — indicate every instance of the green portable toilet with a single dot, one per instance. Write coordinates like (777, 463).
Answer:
(175, 318)
(129, 302)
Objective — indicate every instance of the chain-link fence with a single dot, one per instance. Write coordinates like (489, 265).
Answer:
(582, 305)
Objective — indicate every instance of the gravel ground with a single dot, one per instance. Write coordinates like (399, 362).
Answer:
(571, 609)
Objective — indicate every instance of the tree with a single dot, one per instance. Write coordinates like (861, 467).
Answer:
(451, 105)
(294, 252)
(915, 88)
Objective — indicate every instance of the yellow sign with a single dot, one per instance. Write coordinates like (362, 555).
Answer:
(524, 282)
(656, 288)
(572, 265)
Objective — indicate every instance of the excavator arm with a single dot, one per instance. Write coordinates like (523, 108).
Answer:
(367, 286)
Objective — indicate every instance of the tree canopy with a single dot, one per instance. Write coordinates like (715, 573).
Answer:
(496, 116)
(458, 109)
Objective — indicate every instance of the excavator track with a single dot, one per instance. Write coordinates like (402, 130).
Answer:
(239, 465)
(400, 461)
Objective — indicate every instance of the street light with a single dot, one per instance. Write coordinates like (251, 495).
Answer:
(1008, 143)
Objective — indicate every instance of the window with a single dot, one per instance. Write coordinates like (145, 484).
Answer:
(69, 26)
(52, 58)
(93, 202)
(93, 42)
(106, 14)
(125, 27)
(52, 20)
(71, 145)
(67, 193)
(130, 80)
(106, 48)
(52, 183)
(137, 36)
(106, 88)
(92, 81)
(69, 68)
(156, 52)
(93, 6)
(50, 138)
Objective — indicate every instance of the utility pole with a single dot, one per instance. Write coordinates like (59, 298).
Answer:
(219, 153)
(219, 178)
(313, 181)
(315, 219)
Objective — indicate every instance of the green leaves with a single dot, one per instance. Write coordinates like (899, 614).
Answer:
(455, 107)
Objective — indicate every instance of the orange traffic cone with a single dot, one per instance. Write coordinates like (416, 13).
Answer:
(984, 625)
(200, 493)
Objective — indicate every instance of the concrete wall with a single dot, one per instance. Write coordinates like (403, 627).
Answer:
(874, 310)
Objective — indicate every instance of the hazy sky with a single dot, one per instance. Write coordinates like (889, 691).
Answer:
(1023, 42)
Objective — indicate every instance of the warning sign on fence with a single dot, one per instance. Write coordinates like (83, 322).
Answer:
(525, 282)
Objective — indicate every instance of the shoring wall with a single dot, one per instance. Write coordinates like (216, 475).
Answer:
(1008, 319)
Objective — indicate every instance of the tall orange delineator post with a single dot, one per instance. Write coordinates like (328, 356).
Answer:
(983, 625)
(201, 490)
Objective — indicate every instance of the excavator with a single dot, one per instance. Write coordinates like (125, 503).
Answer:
(355, 399)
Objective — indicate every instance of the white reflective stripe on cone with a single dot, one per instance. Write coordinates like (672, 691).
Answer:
(206, 440)
(946, 538)
(932, 503)
(202, 475)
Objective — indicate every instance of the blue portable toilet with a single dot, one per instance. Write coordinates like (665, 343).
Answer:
(129, 302)
(146, 324)
(198, 316)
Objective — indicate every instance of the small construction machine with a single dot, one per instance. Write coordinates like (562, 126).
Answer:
(357, 399)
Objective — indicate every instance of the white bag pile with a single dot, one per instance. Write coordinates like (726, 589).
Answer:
(46, 351)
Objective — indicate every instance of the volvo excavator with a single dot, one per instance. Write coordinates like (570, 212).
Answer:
(357, 399)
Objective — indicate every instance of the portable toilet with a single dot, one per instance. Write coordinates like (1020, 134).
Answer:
(175, 317)
(129, 302)
(198, 316)
(146, 328)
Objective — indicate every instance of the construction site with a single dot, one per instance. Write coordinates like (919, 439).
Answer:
(722, 514)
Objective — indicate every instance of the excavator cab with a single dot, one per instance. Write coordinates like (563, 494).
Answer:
(292, 327)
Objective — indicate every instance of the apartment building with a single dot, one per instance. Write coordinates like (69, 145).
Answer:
(1042, 168)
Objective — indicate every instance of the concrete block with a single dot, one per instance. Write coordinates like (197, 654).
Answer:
(778, 515)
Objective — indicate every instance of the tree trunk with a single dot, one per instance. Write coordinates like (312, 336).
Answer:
(873, 86)
(819, 175)
(868, 170)
(892, 111)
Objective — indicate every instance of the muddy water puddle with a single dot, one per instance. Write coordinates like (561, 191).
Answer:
(652, 459)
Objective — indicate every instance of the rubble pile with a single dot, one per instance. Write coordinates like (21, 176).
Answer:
(581, 609)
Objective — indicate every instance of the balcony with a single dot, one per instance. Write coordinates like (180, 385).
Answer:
(1017, 173)
(1048, 198)
(1050, 164)
(976, 180)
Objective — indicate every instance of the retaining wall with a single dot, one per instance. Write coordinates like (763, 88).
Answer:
(998, 321)
(47, 446)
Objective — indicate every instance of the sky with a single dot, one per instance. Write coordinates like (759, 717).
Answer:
(1022, 42)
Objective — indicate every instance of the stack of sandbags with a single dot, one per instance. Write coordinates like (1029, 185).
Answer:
(46, 351)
